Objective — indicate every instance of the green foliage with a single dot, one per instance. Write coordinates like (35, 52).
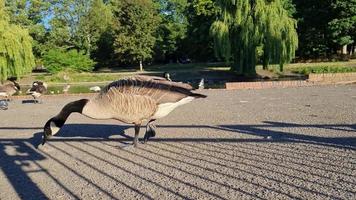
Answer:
(198, 45)
(57, 60)
(92, 25)
(16, 56)
(29, 14)
(80, 77)
(323, 69)
(172, 29)
(343, 26)
(65, 22)
(243, 25)
(134, 26)
(313, 17)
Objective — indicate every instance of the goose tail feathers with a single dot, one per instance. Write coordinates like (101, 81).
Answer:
(196, 95)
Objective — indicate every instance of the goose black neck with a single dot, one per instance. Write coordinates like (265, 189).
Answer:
(75, 106)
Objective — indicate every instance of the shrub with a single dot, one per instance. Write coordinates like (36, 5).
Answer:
(323, 69)
(57, 60)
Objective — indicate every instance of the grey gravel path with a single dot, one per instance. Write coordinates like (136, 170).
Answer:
(296, 143)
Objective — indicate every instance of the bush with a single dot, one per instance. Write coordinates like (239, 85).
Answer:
(57, 60)
(323, 69)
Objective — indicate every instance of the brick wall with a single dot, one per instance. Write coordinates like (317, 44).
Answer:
(314, 79)
(267, 84)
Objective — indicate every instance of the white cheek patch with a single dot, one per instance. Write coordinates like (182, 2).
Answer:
(54, 128)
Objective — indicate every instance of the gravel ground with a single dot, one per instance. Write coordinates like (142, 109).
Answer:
(296, 143)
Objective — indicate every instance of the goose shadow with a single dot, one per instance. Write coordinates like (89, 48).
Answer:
(28, 101)
(86, 132)
(102, 132)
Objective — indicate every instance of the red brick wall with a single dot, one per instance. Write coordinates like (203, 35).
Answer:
(267, 84)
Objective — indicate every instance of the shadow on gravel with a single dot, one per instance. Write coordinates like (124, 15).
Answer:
(281, 136)
(16, 154)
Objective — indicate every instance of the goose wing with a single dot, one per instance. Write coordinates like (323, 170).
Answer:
(160, 90)
(8, 88)
(38, 87)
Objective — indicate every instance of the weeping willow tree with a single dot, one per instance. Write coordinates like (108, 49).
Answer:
(16, 56)
(244, 25)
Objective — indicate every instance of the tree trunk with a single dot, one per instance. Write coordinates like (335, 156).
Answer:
(141, 66)
(265, 61)
(344, 50)
(352, 50)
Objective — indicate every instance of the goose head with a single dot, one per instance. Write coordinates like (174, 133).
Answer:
(17, 86)
(54, 124)
(51, 127)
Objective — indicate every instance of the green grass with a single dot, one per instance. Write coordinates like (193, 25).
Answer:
(307, 68)
(55, 89)
(179, 70)
(214, 72)
(79, 77)
(187, 67)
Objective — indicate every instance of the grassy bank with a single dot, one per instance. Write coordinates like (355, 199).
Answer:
(213, 73)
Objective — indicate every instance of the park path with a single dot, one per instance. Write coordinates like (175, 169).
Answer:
(248, 144)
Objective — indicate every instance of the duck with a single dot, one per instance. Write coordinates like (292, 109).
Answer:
(132, 100)
(37, 89)
(9, 89)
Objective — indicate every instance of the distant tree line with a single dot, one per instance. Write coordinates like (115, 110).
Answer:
(116, 33)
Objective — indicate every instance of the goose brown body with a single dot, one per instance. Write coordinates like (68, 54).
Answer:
(9, 89)
(132, 100)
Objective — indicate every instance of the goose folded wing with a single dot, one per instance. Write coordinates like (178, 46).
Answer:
(161, 91)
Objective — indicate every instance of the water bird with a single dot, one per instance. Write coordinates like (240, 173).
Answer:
(37, 89)
(9, 89)
(132, 100)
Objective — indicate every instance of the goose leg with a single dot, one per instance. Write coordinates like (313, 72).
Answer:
(137, 131)
(150, 131)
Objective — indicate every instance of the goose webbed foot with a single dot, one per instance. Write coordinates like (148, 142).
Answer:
(137, 131)
(150, 132)
(37, 101)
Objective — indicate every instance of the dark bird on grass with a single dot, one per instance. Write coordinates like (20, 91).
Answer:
(132, 100)
(38, 88)
(9, 89)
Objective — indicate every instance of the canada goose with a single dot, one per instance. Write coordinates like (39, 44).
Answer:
(38, 88)
(131, 101)
(9, 89)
